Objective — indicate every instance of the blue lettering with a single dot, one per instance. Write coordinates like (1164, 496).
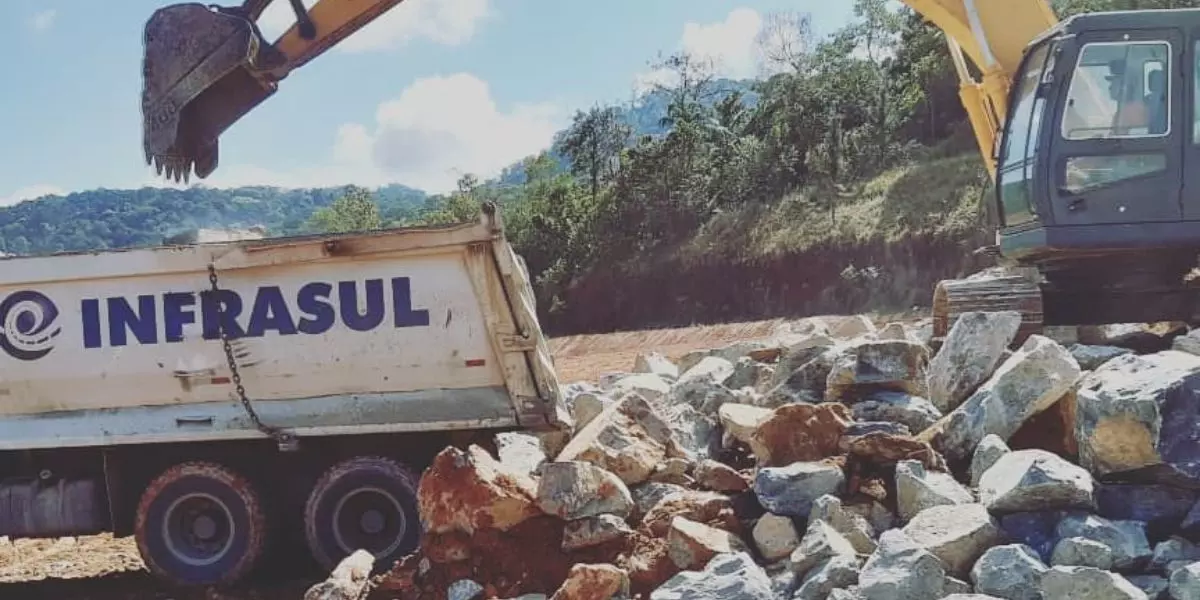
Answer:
(313, 299)
(270, 312)
(91, 323)
(175, 316)
(348, 302)
(143, 323)
(402, 308)
(219, 311)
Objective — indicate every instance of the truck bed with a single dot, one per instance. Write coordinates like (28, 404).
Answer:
(415, 329)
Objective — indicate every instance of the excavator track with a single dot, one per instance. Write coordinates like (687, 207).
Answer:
(988, 292)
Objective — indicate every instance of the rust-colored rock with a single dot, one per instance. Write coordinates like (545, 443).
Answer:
(766, 355)
(593, 582)
(703, 507)
(452, 546)
(885, 449)
(719, 477)
(648, 563)
(691, 545)
(800, 433)
(628, 438)
(526, 559)
(470, 491)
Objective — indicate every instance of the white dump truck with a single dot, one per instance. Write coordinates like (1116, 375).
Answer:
(220, 400)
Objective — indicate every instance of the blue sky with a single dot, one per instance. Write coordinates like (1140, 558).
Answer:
(432, 89)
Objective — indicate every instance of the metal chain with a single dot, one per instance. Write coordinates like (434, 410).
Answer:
(286, 441)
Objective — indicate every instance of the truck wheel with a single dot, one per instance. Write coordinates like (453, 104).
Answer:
(200, 523)
(367, 503)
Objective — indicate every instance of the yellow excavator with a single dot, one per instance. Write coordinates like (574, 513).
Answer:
(1084, 125)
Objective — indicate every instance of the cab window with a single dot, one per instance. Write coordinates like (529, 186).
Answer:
(1119, 90)
(1019, 150)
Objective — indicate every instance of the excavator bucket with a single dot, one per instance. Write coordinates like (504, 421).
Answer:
(199, 78)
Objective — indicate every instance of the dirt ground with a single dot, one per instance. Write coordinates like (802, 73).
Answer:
(103, 568)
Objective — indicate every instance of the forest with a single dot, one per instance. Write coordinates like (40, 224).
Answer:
(848, 179)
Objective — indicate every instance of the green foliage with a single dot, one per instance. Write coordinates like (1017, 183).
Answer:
(356, 210)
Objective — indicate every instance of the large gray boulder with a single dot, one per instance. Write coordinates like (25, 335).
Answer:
(1088, 583)
(860, 369)
(1036, 376)
(1035, 480)
(969, 355)
(918, 489)
(1139, 413)
(1011, 571)
(957, 534)
(791, 490)
(900, 569)
(575, 489)
(1127, 539)
(727, 575)
(914, 412)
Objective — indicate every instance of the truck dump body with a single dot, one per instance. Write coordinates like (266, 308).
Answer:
(401, 330)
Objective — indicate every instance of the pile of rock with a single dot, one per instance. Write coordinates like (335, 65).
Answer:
(844, 462)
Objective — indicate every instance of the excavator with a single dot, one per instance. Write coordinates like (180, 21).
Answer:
(1081, 123)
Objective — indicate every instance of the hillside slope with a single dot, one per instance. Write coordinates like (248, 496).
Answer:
(884, 249)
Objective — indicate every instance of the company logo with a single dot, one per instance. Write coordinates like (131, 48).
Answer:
(29, 322)
(312, 309)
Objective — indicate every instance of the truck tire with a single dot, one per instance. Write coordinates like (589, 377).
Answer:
(366, 502)
(200, 523)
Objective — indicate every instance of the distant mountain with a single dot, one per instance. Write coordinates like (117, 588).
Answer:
(102, 219)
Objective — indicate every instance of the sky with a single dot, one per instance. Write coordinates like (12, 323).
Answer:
(429, 91)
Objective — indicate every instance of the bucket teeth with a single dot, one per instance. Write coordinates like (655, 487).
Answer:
(176, 168)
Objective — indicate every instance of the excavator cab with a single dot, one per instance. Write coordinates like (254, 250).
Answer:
(204, 68)
(1098, 170)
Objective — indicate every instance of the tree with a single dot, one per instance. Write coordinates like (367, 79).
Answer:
(461, 206)
(786, 40)
(355, 210)
(592, 144)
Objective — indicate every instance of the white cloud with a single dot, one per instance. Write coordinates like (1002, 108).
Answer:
(729, 44)
(43, 21)
(427, 137)
(447, 22)
(31, 192)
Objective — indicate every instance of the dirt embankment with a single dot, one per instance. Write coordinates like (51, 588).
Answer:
(839, 278)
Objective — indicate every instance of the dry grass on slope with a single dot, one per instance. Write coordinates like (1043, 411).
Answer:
(932, 197)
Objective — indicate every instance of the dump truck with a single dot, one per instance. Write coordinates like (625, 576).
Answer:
(220, 400)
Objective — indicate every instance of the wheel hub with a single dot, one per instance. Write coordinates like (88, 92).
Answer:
(198, 529)
(204, 527)
(370, 518)
(372, 521)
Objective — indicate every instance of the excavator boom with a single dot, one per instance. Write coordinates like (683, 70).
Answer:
(205, 67)
(993, 34)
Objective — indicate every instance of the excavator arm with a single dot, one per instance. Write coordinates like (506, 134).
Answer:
(206, 66)
(993, 34)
